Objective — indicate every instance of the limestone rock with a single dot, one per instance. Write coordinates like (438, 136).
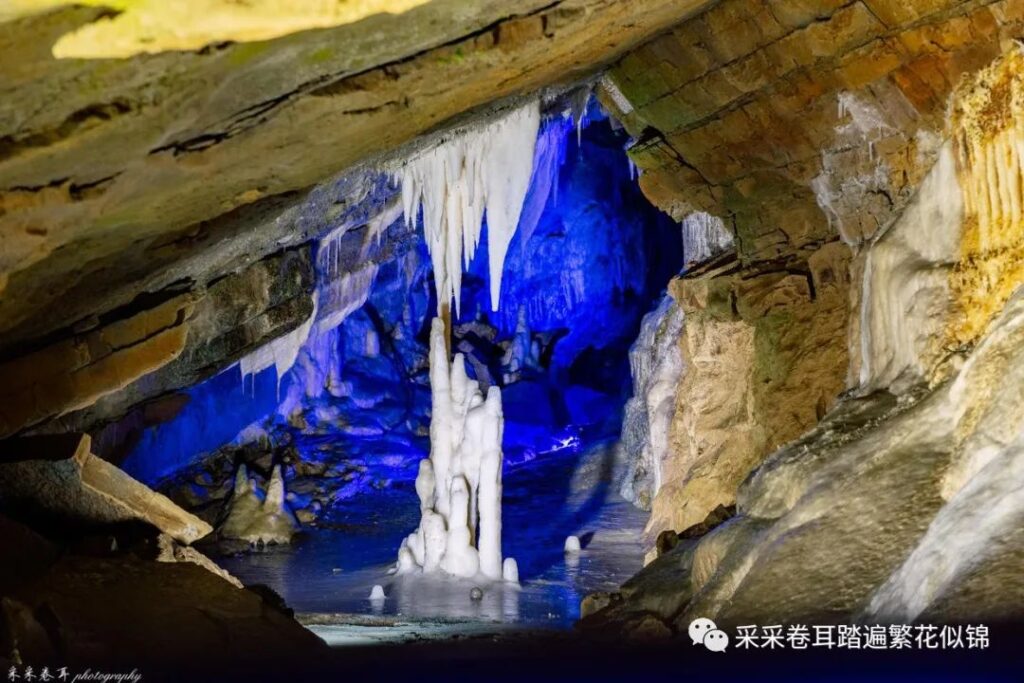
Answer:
(765, 355)
(164, 614)
(59, 478)
(153, 155)
(171, 551)
(595, 602)
(77, 371)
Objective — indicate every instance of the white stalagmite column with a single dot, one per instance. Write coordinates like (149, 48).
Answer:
(490, 487)
(459, 485)
(441, 420)
(425, 484)
(460, 557)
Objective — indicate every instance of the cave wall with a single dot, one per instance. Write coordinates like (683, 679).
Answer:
(895, 495)
(168, 155)
(808, 128)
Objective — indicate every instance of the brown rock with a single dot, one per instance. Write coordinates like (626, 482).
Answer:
(595, 602)
(145, 159)
(648, 627)
(77, 487)
(76, 372)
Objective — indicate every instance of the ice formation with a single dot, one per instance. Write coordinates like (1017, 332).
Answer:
(572, 545)
(704, 236)
(656, 363)
(620, 100)
(906, 284)
(459, 485)
(377, 593)
(836, 192)
(281, 352)
(510, 570)
(480, 170)
(266, 521)
(347, 294)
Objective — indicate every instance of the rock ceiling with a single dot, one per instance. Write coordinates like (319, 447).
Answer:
(113, 172)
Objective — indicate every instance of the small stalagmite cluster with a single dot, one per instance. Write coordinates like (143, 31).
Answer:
(248, 518)
(459, 485)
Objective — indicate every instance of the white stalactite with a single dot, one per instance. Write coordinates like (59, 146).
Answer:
(704, 236)
(282, 352)
(478, 171)
(459, 485)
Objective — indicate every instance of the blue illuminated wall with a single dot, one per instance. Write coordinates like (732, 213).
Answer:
(590, 258)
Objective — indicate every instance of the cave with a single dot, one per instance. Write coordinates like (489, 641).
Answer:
(544, 340)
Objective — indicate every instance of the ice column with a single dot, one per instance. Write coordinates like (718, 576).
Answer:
(459, 485)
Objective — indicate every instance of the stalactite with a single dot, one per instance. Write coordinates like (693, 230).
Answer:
(704, 236)
(282, 352)
(479, 171)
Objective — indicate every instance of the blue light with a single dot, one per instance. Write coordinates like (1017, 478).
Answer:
(588, 260)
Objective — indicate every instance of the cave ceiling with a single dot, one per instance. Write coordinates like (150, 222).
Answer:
(117, 171)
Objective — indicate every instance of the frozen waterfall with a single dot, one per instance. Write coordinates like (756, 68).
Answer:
(656, 364)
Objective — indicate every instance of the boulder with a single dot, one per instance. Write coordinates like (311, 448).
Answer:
(59, 479)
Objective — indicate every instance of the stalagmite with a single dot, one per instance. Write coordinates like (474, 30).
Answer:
(572, 545)
(275, 522)
(460, 557)
(425, 484)
(271, 521)
(490, 487)
(480, 170)
(435, 540)
(510, 570)
(459, 485)
(243, 505)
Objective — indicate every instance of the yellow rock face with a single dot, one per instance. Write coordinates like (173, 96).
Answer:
(159, 25)
(988, 129)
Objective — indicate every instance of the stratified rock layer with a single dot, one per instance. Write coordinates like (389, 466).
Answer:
(904, 503)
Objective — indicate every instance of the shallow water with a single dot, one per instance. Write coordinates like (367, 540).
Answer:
(328, 575)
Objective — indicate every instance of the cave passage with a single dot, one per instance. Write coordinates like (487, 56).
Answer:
(348, 418)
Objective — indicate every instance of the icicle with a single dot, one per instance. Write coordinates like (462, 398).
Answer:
(345, 295)
(704, 236)
(280, 353)
(484, 170)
